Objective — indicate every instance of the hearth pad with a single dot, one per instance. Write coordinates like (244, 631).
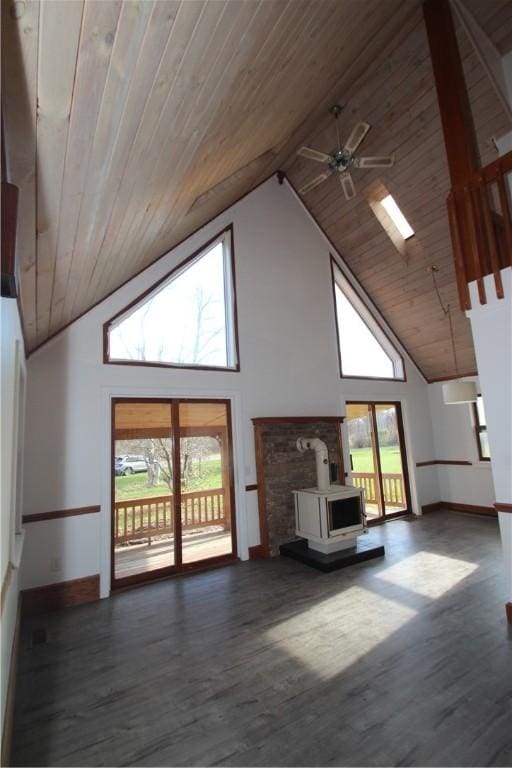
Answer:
(300, 551)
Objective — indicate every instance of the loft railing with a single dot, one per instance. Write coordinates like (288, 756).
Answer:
(480, 215)
(150, 517)
(392, 485)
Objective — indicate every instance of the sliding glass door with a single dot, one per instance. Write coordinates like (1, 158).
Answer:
(377, 455)
(206, 496)
(172, 489)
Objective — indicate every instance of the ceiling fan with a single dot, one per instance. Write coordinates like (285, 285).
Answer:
(342, 159)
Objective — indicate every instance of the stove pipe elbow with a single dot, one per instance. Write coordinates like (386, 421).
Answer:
(322, 459)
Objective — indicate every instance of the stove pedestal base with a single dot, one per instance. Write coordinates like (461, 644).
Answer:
(300, 551)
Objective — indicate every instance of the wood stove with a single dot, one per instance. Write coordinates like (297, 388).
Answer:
(330, 518)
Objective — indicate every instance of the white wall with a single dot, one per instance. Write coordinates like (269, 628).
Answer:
(12, 357)
(289, 366)
(491, 325)
(455, 440)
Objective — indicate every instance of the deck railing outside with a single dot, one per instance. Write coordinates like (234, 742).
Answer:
(392, 486)
(149, 517)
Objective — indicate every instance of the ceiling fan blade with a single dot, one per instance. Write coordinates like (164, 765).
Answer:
(347, 185)
(374, 162)
(313, 154)
(356, 137)
(314, 183)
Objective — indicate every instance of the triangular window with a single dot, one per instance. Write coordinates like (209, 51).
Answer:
(364, 349)
(186, 320)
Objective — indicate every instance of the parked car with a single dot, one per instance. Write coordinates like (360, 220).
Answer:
(128, 465)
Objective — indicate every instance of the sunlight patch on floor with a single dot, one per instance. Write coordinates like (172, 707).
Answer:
(321, 640)
(428, 574)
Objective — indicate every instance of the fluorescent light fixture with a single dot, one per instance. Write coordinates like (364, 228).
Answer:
(397, 217)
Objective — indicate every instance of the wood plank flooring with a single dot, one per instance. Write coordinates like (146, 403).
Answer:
(404, 660)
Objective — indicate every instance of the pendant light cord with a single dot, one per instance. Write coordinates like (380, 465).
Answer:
(447, 313)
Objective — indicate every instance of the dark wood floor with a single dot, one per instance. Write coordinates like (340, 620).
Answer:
(401, 661)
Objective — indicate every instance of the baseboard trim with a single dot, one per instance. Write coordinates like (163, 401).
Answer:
(61, 595)
(256, 552)
(508, 609)
(11, 691)
(434, 507)
(471, 509)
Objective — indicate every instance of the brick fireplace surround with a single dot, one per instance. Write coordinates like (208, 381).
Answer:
(281, 469)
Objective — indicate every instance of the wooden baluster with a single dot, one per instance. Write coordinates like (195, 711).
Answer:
(460, 264)
(506, 216)
(491, 239)
(473, 243)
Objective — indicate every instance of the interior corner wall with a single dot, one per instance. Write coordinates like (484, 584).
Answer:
(288, 367)
(11, 337)
(455, 440)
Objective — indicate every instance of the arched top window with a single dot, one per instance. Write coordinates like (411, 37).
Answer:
(186, 320)
(364, 349)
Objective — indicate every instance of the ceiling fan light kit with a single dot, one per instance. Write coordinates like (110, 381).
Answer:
(343, 158)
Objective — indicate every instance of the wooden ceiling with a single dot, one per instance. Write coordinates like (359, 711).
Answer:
(151, 416)
(129, 124)
(397, 97)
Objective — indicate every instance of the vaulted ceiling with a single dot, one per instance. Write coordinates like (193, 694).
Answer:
(130, 124)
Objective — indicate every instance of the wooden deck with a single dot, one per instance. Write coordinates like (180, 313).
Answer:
(372, 510)
(140, 558)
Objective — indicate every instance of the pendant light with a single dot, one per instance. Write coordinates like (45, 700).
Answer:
(457, 391)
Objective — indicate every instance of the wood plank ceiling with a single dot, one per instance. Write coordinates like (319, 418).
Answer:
(130, 123)
(397, 97)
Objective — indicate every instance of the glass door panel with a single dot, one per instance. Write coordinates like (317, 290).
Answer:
(390, 455)
(207, 529)
(363, 456)
(143, 528)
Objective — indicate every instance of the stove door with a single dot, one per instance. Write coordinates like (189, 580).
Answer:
(344, 513)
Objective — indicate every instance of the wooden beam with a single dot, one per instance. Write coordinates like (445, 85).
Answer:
(456, 118)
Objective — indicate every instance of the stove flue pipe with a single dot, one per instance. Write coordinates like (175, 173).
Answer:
(322, 459)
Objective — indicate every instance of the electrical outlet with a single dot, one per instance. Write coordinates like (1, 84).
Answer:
(55, 564)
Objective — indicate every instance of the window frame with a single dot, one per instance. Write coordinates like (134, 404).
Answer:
(231, 310)
(479, 428)
(381, 336)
